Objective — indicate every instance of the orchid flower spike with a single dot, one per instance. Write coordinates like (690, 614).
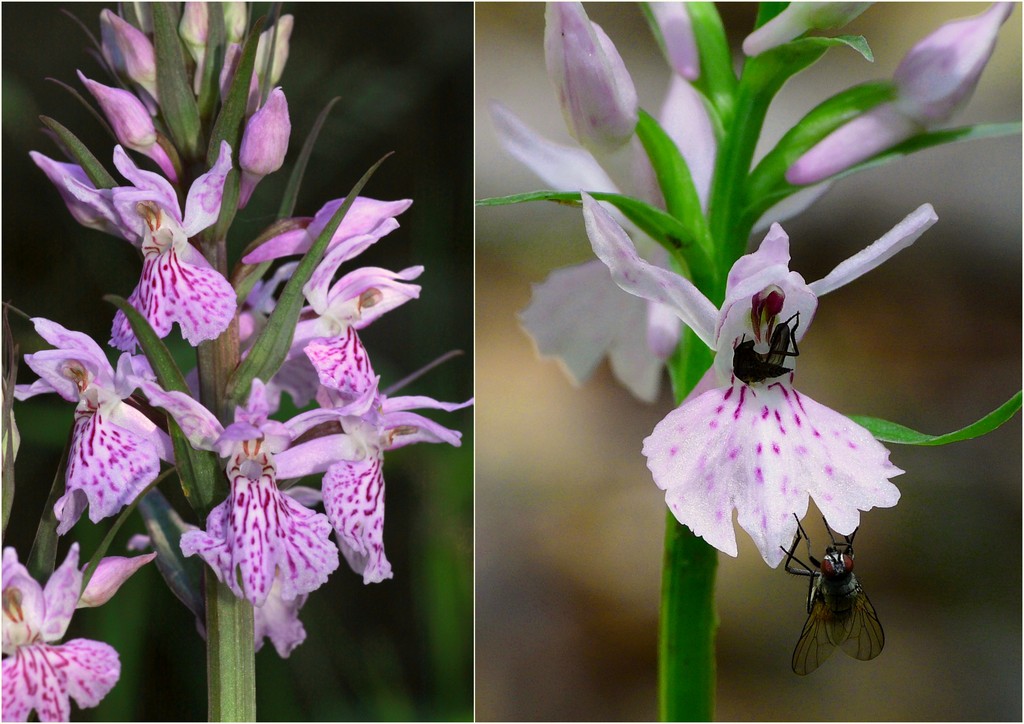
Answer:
(38, 673)
(746, 439)
(933, 81)
(115, 449)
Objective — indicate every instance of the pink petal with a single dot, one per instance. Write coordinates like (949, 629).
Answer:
(342, 363)
(110, 575)
(762, 451)
(178, 287)
(107, 465)
(354, 501)
(61, 596)
(677, 37)
(562, 168)
(204, 197)
(895, 240)
(278, 620)
(317, 288)
(644, 280)
(43, 677)
(200, 425)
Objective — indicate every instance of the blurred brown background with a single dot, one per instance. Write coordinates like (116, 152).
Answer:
(569, 524)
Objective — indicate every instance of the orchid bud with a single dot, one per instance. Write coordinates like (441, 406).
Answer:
(676, 38)
(264, 143)
(110, 575)
(933, 81)
(235, 20)
(939, 74)
(128, 50)
(131, 122)
(796, 20)
(597, 95)
(283, 30)
(193, 30)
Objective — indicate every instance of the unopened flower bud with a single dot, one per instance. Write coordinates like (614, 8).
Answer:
(595, 90)
(933, 81)
(235, 19)
(193, 30)
(677, 41)
(796, 20)
(128, 50)
(283, 30)
(131, 122)
(110, 575)
(264, 143)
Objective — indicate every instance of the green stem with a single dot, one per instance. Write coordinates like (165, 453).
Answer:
(230, 658)
(686, 641)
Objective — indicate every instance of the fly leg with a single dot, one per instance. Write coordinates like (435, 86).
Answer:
(804, 570)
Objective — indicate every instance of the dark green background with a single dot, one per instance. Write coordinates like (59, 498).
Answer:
(397, 650)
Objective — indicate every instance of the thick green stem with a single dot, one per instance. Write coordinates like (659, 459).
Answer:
(230, 658)
(686, 641)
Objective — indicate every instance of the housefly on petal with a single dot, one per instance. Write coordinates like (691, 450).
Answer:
(839, 612)
(752, 366)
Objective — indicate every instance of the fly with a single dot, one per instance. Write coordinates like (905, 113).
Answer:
(839, 612)
(753, 366)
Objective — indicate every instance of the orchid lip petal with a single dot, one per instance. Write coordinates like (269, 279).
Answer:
(637, 277)
(905, 233)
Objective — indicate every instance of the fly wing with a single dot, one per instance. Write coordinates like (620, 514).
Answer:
(814, 645)
(865, 639)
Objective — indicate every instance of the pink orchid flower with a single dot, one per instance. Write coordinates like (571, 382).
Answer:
(257, 531)
(758, 447)
(115, 449)
(38, 673)
(352, 458)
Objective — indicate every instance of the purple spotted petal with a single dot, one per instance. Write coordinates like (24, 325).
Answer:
(200, 425)
(108, 466)
(364, 295)
(278, 620)
(317, 288)
(354, 501)
(178, 285)
(60, 596)
(342, 363)
(71, 347)
(258, 530)
(22, 623)
(763, 451)
(44, 678)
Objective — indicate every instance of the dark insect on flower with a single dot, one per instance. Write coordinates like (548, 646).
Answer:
(752, 366)
(839, 612)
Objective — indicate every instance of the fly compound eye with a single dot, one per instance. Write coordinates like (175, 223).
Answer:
(847, 562)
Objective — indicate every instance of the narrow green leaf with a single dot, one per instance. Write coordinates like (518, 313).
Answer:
(43, 554)
(99, 175)
(717, 81)
(104, 545)
(198, 469)
(184, 576)
(177, 102)
(271, 347)
(674, 179)
(10, 431)
(766, 11)
(893, 432)
(660, 226)
(291, 191)
(209, 86)
(244, 276)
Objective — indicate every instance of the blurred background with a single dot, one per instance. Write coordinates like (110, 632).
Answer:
(398, 650)
(569, 524)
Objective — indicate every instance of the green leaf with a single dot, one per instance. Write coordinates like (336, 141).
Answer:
(177, 102)
(291, 192)
(717, 81)
(245, 276)
(675, 180)
(660, 226)
(43, 554)
(766, 11)
(198, 469)
(104, 545)
(893, 432)
(99, 176)
(209, 86)
(184, 576)
(271, 347)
